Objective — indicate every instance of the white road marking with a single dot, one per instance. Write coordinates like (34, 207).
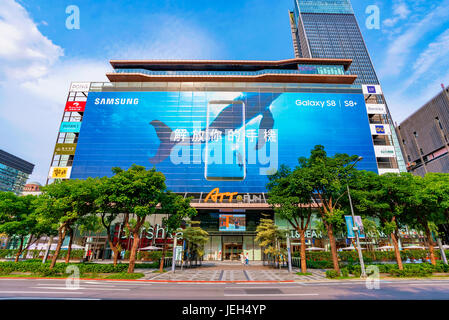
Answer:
(271, 295)
(80, 288)
(40, 292)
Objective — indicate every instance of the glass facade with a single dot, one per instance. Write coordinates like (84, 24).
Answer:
(12, 179)
(14, 172)
(324, 6)
(338, 36)
(227, 140)
(302, 69)
(329, 29)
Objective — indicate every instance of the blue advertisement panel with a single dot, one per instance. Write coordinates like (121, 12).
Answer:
(232, 222)
(350, 226)
(226, 140)
(70, 127)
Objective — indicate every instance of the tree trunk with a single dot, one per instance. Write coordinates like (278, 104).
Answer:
(161, 264)
(113, 247)
(396, 251)
(69, 249)
(303, 251)
(333, 244)
(19, 252)
(61, 234)
(135, 246)
(430, 244)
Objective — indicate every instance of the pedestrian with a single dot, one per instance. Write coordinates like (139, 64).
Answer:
(247, 259)
(242, 258)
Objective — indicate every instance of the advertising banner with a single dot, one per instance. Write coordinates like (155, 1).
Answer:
(232, 222)
(65, 148)
(385, 151)
(79, 86)
(60, 172)
(383, 171)
(380, 129)
(70, 127)
(372, 89)
(350, 226)
(75, 106)
(229, 142)
(376, 109)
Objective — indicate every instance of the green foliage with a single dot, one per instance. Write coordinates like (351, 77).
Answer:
(332, 274)
(344, 272)
(319, 264)
(125, 275)
(269, 237)
(196, 238)
(40, 268)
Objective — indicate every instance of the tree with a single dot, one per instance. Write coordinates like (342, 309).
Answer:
(290, 196)
(19, 219)
(177, 209)
(63, 203)
(269, 236)
(195, 238)
(135, 193)
(385, 198)
(325, 178)
(423, 208)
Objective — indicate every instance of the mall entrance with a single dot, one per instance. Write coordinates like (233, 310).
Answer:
(232, 251)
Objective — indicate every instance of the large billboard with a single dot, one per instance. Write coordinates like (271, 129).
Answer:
(226, 140)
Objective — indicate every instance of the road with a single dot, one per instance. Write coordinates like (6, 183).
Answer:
(326, 290)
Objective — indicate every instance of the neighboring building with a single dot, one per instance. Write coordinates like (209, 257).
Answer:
(216, 129)
(32, 188)
(329, 29)
(14, 172)
(425, 136)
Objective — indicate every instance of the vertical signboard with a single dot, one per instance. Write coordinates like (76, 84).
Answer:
(350, 226)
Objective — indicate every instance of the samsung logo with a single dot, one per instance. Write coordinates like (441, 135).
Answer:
(118, 101)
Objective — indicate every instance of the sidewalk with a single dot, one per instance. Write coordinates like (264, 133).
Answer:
(232, 271)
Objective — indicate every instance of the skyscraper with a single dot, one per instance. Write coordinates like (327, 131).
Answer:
(14, 172)
(329, 29)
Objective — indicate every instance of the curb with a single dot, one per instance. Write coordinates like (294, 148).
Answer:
(156, 281)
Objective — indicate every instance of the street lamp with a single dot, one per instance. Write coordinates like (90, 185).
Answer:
(356, 229)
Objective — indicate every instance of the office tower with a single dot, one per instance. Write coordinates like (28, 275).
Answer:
(329, 29)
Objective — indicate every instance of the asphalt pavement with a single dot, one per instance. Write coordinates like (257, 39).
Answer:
(424, 289)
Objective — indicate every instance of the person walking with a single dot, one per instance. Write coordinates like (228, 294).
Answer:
(242, 258)
(247, 259)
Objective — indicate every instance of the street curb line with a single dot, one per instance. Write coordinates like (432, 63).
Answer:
(157, 281)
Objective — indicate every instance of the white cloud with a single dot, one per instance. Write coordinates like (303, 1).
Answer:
(435, 56)
(400, 12)
(175, 38)
(399, 49)
(35, 77)
(24, 51)
(34, 87)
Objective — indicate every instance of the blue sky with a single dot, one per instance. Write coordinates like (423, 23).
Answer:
(39, 56)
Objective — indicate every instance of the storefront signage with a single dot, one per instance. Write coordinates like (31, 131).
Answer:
(383, 171)
(380, 129)
(376, 109)
(75, 106)
(70, 127)
(79, 86)
(155, 232)
(65, 148)
(384, 151)
(356, 222)
(215, 195)
(372, 89)
(60, 172)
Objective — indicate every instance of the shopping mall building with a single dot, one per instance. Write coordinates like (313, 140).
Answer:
(218, 129)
